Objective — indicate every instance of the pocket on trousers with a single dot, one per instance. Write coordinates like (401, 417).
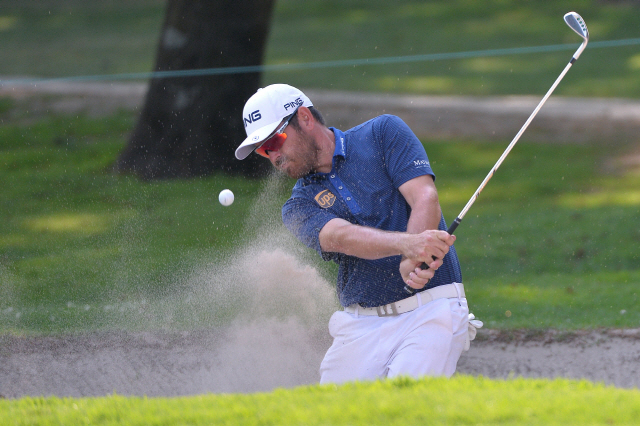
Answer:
(336, 322)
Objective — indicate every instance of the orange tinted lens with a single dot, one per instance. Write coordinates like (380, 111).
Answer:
(274, 143)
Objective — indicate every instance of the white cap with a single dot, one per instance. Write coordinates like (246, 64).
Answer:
(264, 111)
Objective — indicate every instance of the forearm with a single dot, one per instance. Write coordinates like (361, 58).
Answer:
(425, 216)
(422, 197)
(340, 236)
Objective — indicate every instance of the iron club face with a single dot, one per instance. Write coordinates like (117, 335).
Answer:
(577, 24)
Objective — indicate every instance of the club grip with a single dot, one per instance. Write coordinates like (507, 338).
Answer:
(424, 266)
(454, 225)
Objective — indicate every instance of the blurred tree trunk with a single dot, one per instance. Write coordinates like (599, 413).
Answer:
(191, 126)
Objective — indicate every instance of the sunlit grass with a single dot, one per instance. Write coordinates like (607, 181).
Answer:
(634, 62)
(621, 197)
(8, 22)
(432, 84)
(85, 223)
(492, 65)
(461, 400)
(558, 300)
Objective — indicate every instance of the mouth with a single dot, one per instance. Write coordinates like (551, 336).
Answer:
(285, 167)
(280, 162)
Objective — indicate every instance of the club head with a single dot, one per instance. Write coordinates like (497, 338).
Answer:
(577, 24)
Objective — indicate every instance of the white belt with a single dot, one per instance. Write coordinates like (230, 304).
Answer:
(447, 291)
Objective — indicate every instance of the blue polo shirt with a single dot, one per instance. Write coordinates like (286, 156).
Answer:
(370, 162)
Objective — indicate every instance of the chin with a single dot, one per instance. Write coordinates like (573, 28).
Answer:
(294, 175)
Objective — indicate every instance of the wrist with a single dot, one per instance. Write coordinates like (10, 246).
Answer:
(406, 245)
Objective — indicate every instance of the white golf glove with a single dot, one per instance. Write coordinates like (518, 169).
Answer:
(474, 325)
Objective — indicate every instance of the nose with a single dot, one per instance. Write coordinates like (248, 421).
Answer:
(273, 156)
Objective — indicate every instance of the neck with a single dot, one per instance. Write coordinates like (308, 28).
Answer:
(326, 148)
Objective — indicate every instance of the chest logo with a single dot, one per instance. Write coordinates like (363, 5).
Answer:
(325, 199)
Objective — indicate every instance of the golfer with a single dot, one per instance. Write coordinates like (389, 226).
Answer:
(366, 199)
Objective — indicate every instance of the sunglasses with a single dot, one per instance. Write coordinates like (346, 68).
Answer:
(275, 142)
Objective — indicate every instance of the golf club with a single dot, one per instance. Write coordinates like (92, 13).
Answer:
(577, 24)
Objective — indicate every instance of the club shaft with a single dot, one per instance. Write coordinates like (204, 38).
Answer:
(466, 208)
(486, 180)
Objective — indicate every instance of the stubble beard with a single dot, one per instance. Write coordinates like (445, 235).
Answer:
(305, 158)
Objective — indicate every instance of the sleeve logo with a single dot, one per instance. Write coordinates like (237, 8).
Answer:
(325, 199)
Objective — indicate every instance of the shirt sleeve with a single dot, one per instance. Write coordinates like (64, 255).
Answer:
(405, 157)
(304, 219)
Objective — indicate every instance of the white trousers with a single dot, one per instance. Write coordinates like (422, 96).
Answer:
(427, 341)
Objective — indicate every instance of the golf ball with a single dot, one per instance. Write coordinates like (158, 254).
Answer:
(226, 197)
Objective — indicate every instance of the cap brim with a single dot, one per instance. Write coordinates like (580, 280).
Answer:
(254, 140)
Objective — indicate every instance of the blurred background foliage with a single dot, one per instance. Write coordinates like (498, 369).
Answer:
(47, 38)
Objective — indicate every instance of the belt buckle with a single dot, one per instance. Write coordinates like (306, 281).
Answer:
(383, 311)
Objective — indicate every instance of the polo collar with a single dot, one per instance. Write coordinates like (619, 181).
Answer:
(341, 148)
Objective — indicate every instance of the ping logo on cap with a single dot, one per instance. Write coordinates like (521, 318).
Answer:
(325, 199)
(253, 117)
(293, 104)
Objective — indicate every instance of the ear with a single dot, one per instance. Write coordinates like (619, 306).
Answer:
(305, 118)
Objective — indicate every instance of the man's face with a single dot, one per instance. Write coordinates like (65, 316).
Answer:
(298, 156)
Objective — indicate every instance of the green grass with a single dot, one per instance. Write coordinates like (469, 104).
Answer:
(461, 401)
(338, 30)
(553, 238)
(53, 38)
(73, 235)
(71, 37)
(551, 242)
